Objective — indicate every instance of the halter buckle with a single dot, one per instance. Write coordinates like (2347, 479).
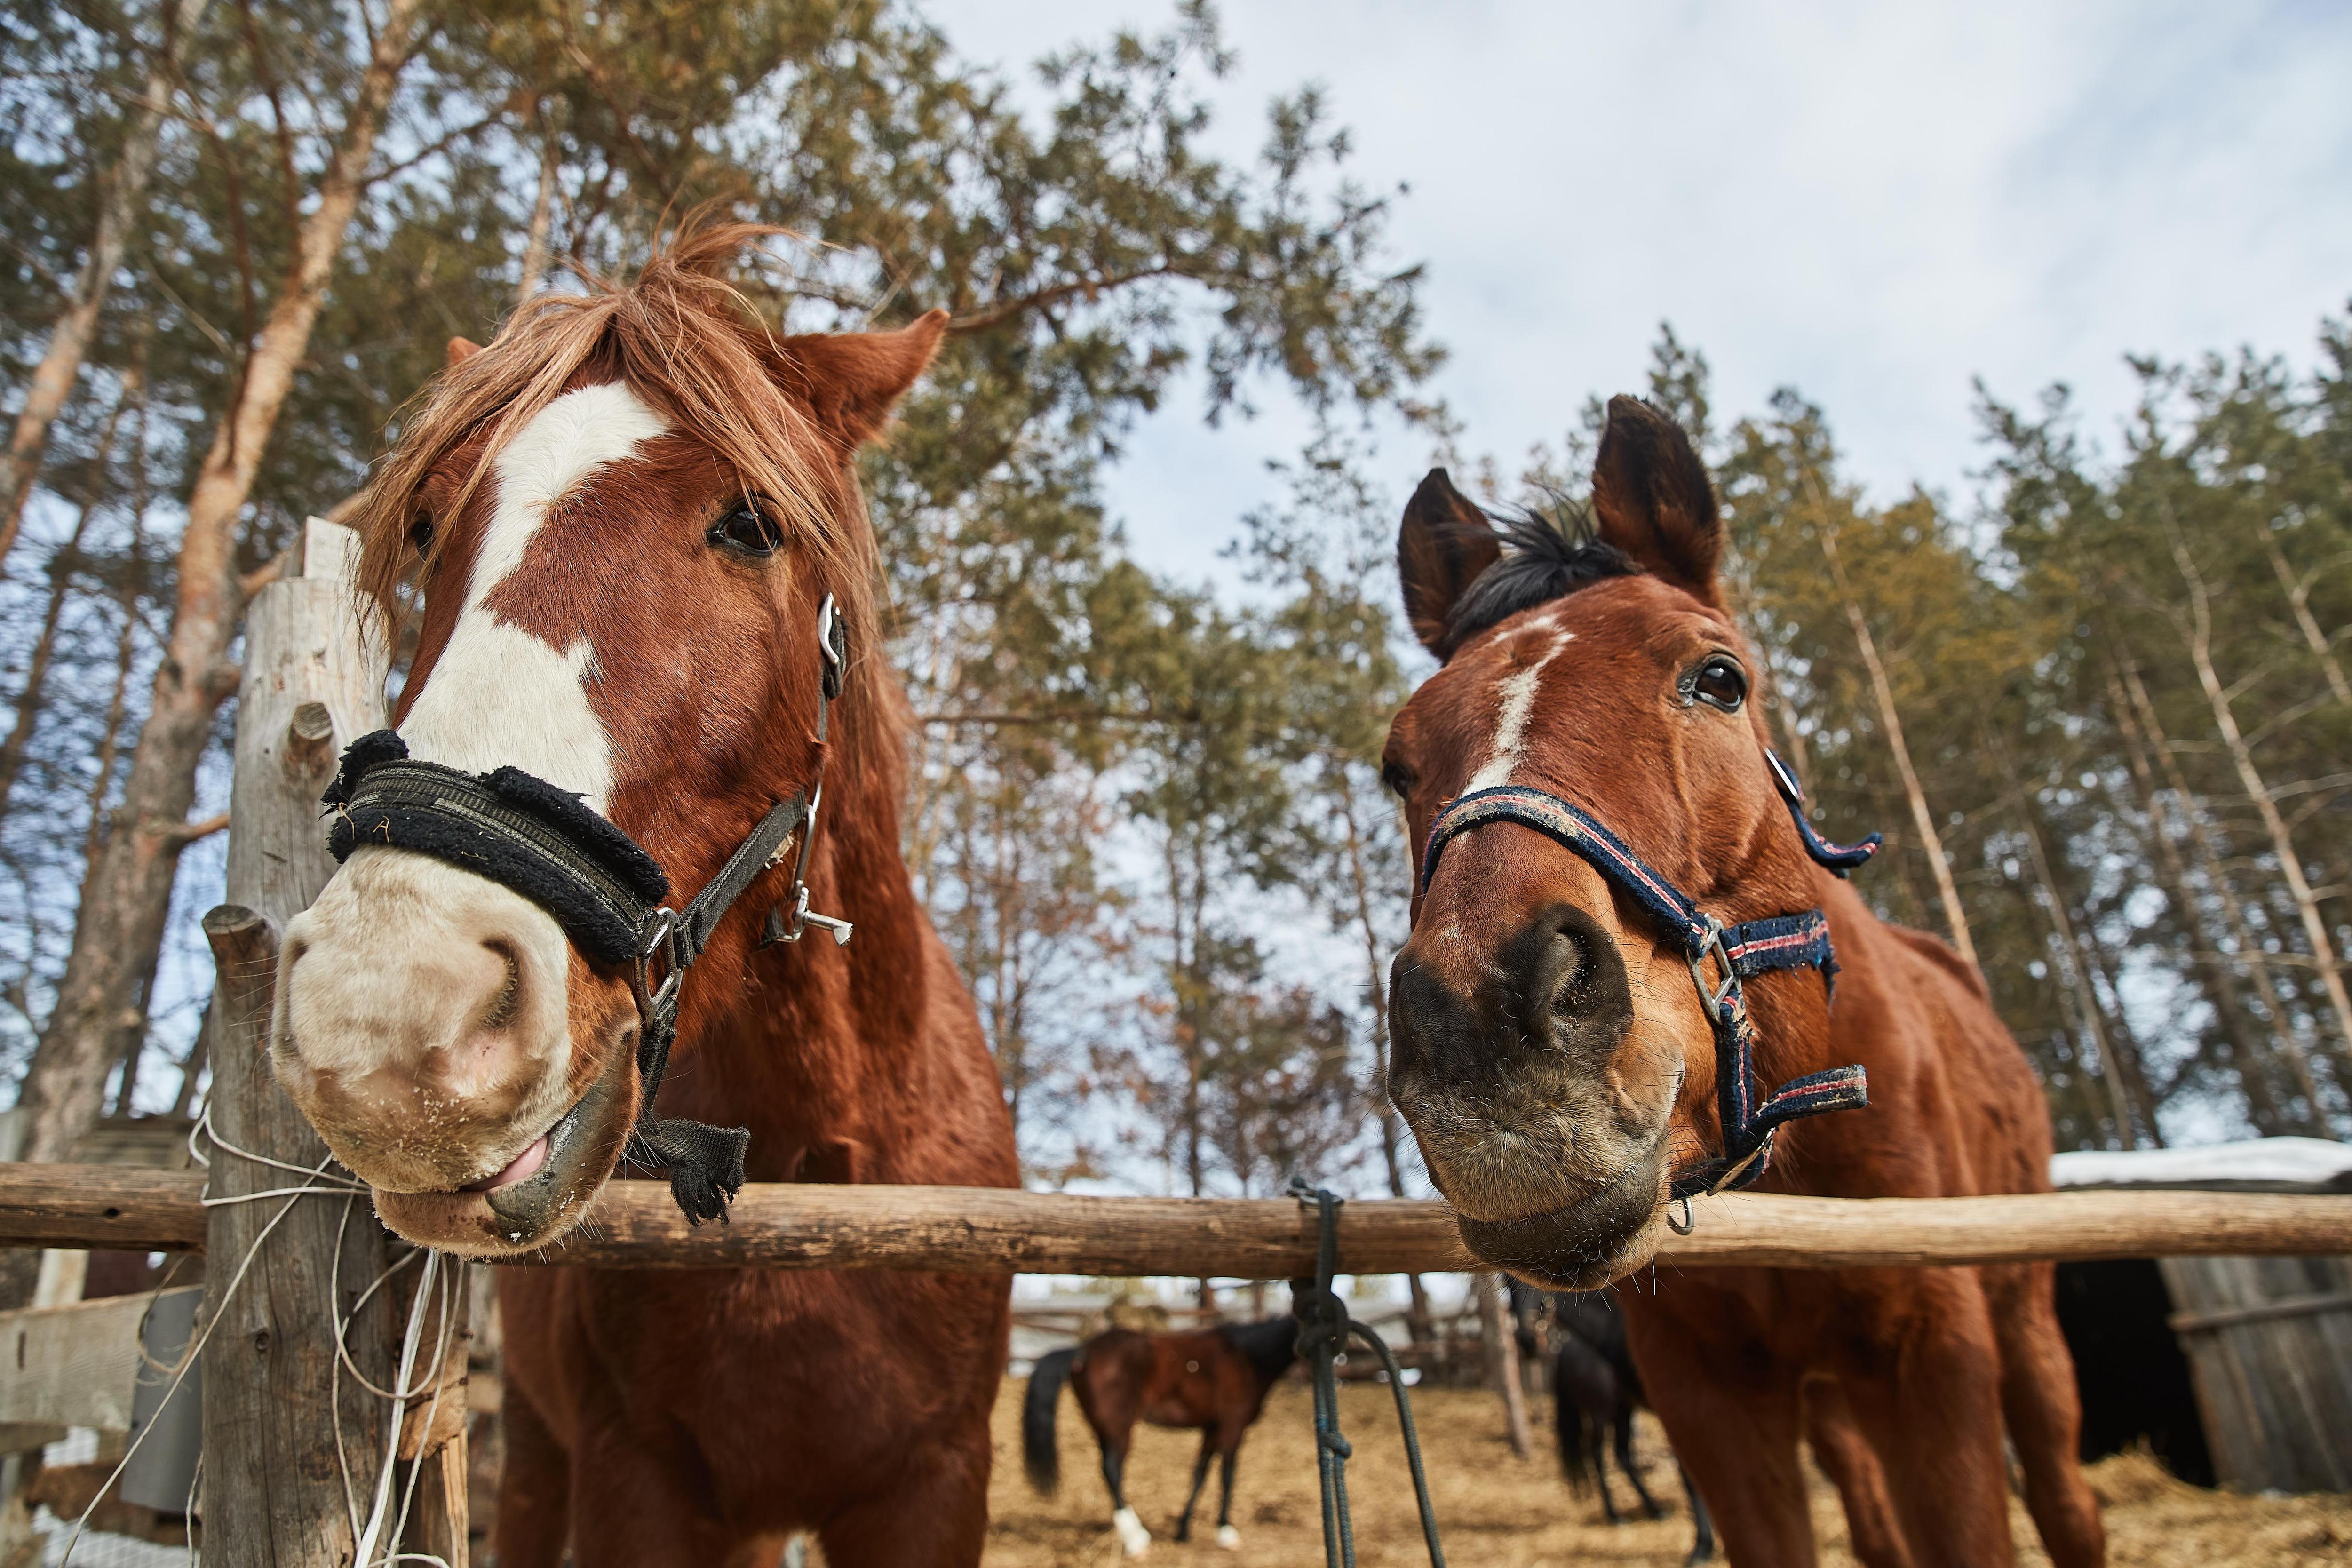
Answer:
(656, 943)
(1712, 998)
(833, 647)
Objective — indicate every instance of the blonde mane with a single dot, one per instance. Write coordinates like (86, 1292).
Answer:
(686, 342)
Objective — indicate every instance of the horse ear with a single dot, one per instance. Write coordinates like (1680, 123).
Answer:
(461, 349)
(1444, 545)
(851, 381)
(1653, 500)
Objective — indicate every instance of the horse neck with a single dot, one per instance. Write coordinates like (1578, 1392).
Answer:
(825, 1048)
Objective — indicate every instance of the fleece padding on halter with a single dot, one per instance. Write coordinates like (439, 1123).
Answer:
(1799, 941)
(518, 830)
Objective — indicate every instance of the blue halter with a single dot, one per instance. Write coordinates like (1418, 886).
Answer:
(1741, 952)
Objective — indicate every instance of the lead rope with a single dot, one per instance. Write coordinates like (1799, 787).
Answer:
(1324, 1329)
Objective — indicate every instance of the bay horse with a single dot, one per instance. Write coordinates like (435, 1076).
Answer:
(1621, 922)
(648, 629)
(1214, 1381)
(1596, 1388)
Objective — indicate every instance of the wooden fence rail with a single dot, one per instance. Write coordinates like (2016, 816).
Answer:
(991, 1231)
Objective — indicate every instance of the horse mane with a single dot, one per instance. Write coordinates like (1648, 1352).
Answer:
(1270, 1346)
(1546, 556)
(689, 342)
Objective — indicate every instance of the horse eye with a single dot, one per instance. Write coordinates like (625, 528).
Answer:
(420, 533)
(1399, 781)
(1721, 683)
(748, 530)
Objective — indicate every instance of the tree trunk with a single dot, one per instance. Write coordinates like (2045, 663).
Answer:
(122, 198)
(1502, 1350)
(127, 898)
(1921, 816)
(2298, 599)
(2200, 638)
(31, 697)
(543, 214)
(2214, 863)
(2072, 959)
(2249, 1058)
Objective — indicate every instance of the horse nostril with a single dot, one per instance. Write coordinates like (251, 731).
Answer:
(508, 1003)
(1571, 973)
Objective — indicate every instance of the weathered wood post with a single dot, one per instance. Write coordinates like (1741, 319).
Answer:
(1501, 1349)
(274, 1488)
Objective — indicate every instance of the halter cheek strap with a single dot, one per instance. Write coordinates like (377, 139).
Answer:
(1741, 952)
(604, 890)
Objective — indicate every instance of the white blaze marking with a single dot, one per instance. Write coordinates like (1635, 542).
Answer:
(499, 696)
(1518, 692)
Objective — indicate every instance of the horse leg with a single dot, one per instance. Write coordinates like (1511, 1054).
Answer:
(1132, 1537)
(1624, 1424)
(1945, 1474)
(535, 1490)
(1703, 1545)
(936, 1517)
(1199, 1479)
(1596, 1448)
(1838, 1448)
(632, 1508)
(1732, 1417)
(2044, 1411)
(1230, 1441)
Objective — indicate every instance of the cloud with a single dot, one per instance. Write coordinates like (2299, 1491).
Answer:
(1872, 203)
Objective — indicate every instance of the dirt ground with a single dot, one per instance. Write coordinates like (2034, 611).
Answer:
(1495, 1509)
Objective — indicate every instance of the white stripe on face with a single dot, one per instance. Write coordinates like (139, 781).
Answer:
(499, 696)
(1517, 691)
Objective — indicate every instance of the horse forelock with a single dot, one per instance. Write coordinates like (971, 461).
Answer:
(685, 342)
(1545, 556)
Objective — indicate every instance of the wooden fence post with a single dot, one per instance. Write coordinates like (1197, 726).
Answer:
(1501, 1348)
(274, 1486)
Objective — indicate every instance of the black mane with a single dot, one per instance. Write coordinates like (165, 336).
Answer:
(1545, 557)
(1270, 1346)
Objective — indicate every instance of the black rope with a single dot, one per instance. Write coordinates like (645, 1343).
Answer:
(1324, 1329)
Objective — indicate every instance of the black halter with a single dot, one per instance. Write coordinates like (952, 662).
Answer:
(604, 890)
(1741, 952)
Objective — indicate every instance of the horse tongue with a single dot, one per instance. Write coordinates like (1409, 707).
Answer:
(521, 1168)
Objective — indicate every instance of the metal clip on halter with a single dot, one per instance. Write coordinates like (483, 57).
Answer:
(832, 643)
(1712, 998)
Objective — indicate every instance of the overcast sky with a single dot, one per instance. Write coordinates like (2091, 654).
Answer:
(1872, 203)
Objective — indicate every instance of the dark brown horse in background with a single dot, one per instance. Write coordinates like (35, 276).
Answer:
(1559, 1066)
(1214, 1382)
(1596, 1388)
(626, 513)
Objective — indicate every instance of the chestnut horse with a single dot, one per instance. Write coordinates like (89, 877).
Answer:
(1560, 1068)
(647, 627)
(1214, 1381)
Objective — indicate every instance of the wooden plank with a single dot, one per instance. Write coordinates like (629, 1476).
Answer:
(2285, 1306)
(106, 1206)
(990, 1230)
(73, 1365)
(273, 1493)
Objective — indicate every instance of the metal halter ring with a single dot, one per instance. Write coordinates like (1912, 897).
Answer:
(1713, 997)
(652, 998)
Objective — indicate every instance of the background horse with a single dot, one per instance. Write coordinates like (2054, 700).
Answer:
(626, 513)
(1215, 1381)
(1595, 1389)
(1559, 1065)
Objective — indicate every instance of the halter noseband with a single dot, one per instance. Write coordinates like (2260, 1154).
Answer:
(1741, 952)
(604, 890)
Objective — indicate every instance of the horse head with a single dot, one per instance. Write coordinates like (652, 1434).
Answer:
(625, 515)
(1551, 1052)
